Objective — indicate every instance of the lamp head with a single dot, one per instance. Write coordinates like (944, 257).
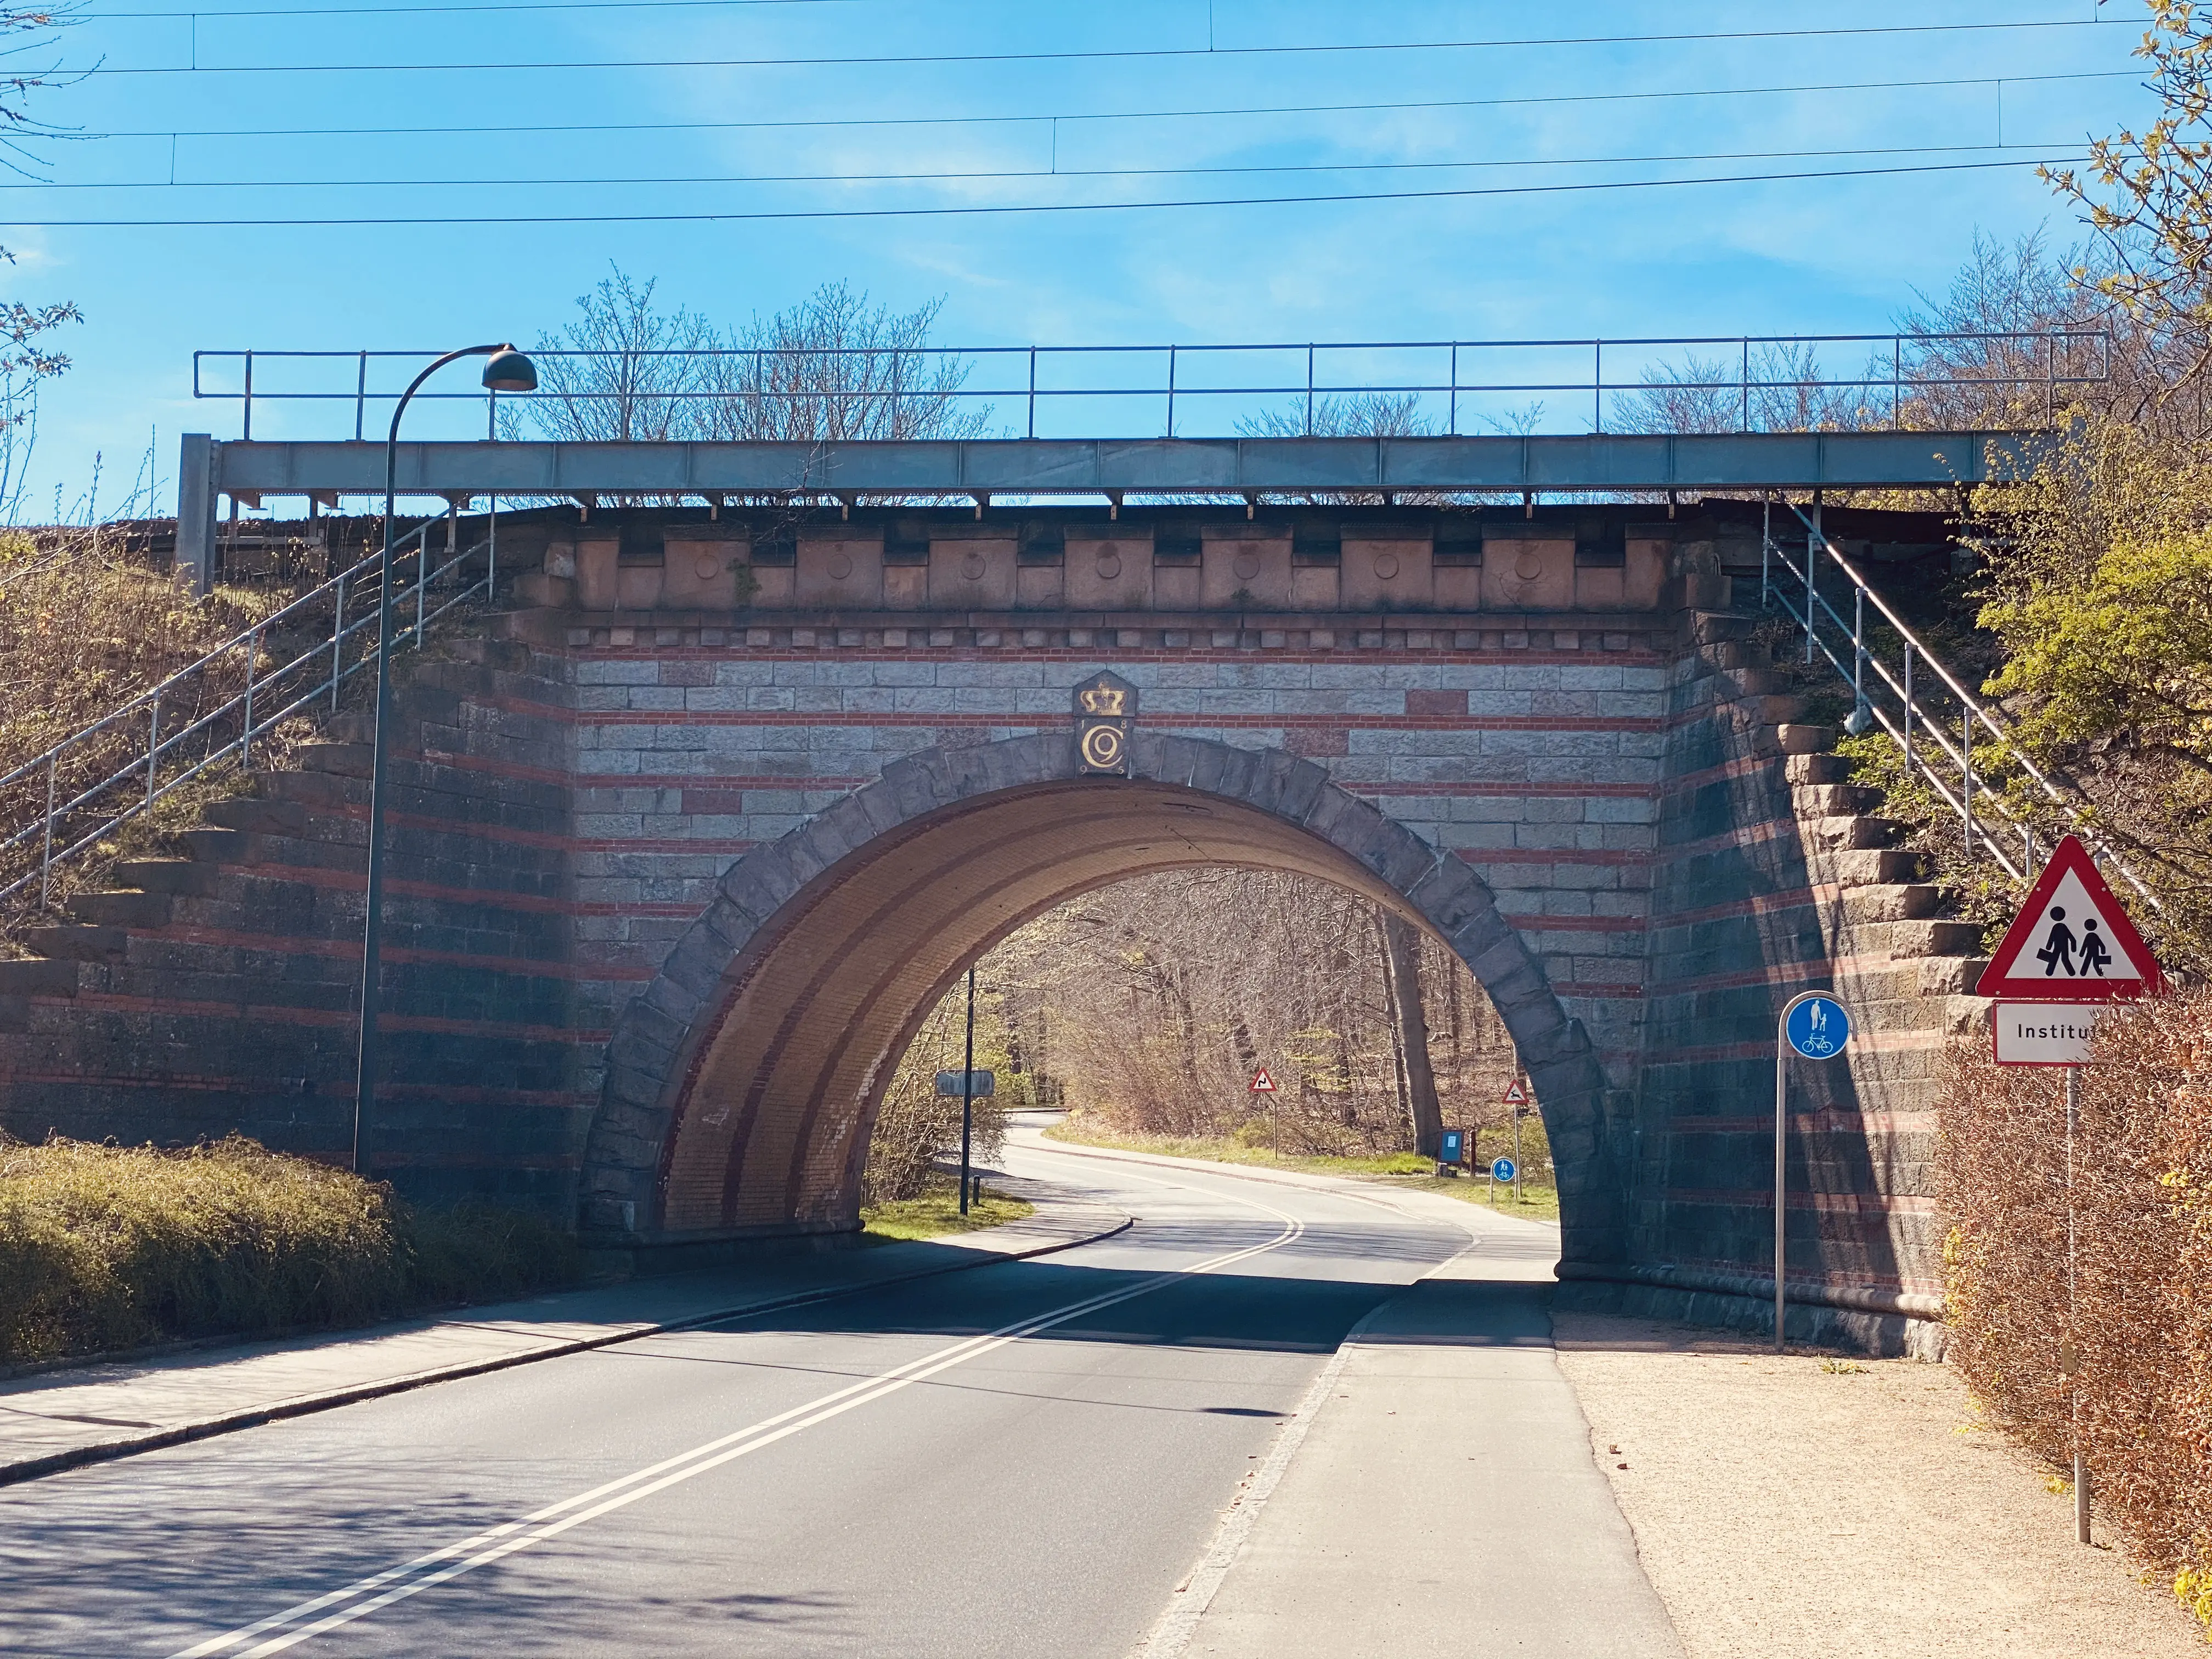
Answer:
(508, 370)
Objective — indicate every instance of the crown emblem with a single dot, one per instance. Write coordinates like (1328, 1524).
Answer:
(1108, 701)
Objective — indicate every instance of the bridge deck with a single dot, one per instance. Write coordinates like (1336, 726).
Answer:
(1178, 466)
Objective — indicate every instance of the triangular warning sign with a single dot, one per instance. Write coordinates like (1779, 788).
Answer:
(2071, 942)
(1262, 1083)
(1515, 1095)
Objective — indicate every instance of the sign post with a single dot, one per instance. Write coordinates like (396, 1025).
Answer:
(2069, 952)
(1262, 1083)
(968, 1093)
(1516, 1096)
(1816, 1026)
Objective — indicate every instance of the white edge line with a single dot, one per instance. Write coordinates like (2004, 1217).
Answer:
(697, 1460)
(1171, 1635)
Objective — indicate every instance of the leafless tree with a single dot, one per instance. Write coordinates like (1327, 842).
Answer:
(832, 367)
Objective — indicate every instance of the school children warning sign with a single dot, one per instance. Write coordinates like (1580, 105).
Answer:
(2071, 941)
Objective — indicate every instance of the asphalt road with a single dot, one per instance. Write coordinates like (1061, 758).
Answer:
(1024, 1459)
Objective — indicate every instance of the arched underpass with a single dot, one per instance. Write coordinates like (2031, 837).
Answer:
(742, 1088)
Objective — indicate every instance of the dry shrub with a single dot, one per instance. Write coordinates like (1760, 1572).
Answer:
(2138, 1317)
(107, 1247)
(85, 626)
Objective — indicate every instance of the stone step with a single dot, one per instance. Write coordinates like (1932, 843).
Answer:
(312, 790)
(1712, 627)
(268, 816)
(1771, 710)
(1803, 769)
(122, 909)
(38, 976)
(1805, 739)
(354, 725)
(214, 845)
(348, 760)
(1736, 684)
(1828, 800)
(1892, 901)
(77, 941)
(1924, 938)
(166, 876)
(1854, 832)
(1867, 867)
(1952, 976)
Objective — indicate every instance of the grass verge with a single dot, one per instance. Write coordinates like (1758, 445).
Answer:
(936, 1212)
(104, 1247)
(1404, 1171)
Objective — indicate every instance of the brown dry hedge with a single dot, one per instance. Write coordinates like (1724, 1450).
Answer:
(2136, 1317)
(106, 1247)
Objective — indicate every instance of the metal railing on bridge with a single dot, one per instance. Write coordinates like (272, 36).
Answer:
(61, 814)
(1707, 384)
(1950, 739)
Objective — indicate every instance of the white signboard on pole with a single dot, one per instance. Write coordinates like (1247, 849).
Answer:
(2043, 1033)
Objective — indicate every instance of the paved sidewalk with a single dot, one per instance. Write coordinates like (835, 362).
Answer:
(1435, 1495)
(60, 1420)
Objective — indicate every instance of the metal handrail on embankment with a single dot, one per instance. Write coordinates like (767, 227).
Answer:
(1899, 702)
(268, 695)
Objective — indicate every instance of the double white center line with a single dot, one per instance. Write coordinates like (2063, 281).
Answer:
(368, 1596)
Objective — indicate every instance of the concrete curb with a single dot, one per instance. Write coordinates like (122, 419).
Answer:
(108, 1451)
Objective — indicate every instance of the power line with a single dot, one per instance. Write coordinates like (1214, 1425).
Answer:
(1006, 210)
(1130, 54)
(203, 15)
(982, 176)
(1121, 115)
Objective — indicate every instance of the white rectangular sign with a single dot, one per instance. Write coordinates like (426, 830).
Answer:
(2043, 1033)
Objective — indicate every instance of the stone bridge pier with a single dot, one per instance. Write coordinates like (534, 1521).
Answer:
(690, 834)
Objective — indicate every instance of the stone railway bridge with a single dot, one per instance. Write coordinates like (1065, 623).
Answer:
(689, 835)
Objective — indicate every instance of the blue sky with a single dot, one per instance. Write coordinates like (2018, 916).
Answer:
(1810, 255)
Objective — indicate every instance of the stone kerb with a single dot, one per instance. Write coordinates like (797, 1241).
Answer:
(767, 892)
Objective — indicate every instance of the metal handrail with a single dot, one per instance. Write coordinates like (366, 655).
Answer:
(1898, 379)
(251, 705)
(1912, 707)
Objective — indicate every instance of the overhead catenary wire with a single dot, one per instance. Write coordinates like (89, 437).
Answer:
(982, 175)
(1003, 209)
(1107, 53)
(1071, 116)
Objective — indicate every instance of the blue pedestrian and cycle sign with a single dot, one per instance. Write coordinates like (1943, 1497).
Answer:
(1814, 1026)
(1502, 1170)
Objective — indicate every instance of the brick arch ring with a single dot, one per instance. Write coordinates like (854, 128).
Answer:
(741, 1088)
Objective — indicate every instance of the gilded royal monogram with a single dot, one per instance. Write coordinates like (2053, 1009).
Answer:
(1104, 706)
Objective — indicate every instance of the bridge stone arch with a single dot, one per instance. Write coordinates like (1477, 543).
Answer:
(742, 1086)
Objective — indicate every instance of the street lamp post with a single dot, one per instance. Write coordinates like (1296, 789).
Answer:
(508, 370)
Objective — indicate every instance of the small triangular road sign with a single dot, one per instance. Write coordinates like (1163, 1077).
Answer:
(2071, 942)
(1515, 1094)
(1262, 1083)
